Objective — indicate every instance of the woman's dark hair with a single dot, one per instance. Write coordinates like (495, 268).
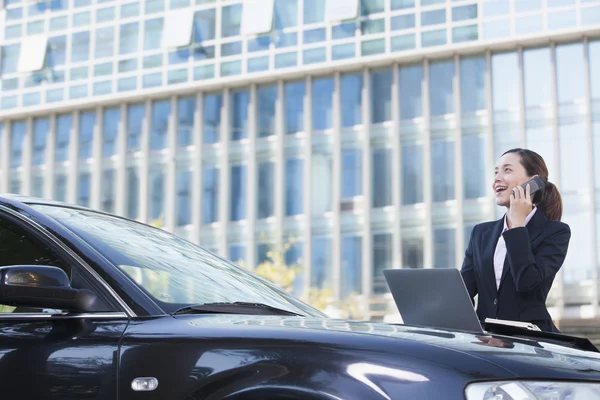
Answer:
(548, 199)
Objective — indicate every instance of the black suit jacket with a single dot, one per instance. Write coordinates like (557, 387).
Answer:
(534, 254)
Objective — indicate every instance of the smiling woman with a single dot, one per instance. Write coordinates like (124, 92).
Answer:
(511, 263)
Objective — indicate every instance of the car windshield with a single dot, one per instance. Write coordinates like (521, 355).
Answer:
(173, 271)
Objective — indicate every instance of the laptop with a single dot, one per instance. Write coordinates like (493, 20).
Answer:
(436, 298)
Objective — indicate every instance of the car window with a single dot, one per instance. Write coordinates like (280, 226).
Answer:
(172, 270)
(18, 247)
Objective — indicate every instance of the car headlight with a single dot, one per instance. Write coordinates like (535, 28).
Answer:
(530, 390)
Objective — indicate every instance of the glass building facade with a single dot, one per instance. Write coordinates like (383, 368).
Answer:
(366, 131)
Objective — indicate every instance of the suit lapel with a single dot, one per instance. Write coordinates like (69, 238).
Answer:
(534, 229)
(490, 239)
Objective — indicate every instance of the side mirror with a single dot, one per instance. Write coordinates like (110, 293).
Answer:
(42, 286)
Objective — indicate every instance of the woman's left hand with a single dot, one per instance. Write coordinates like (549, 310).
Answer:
(520, 206)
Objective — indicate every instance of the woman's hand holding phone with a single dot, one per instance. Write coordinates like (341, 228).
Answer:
(520, 206)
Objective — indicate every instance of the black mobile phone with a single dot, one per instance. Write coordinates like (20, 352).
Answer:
(535, 184)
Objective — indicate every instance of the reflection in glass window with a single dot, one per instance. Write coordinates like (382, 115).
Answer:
(41, 126)
(411, 92)
(351, 268)
(108, 191)
(156, 195)
(83, 192)
(314, 11)
(382, 178)
(184, 200)
(381, 96)
(153, 33)
(110, 130)
(56, 52)
(239, 114)
(266, 190)
(64, 124)
(267, 97)
(505, 81)
(412, 253)
(237, 253)
(294, 184)
(441, 97)
(80, 48)
(382, 259)
(442, 160)
(412, 173)
(212, 117)
(286, 14)
(321, 182)
(133, 192)
(210, 195)
(186, 107)
(136, 113)
(444, 247)
(322, 93)
(105, 38)
(474, 167)
(160, 124)
(322, 267)
(569, 64)
(237, 209)
(204, 25)
(351, 98)
(351, 173)
(294, 107)
(472, 84)
(537, 72)
(87, 123)
(231, 20)
(128, 38)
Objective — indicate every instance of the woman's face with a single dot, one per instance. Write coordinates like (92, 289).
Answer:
(509, 173)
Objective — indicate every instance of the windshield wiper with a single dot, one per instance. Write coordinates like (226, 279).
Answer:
(238, 307)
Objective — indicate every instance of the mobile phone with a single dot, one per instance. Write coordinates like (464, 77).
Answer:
(535, 184)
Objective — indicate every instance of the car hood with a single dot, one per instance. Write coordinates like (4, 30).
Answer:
(524, 357)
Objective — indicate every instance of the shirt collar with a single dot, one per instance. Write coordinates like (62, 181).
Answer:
(526, 219)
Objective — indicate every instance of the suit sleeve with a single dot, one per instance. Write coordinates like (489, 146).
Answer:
(530, 270)
(468, 268)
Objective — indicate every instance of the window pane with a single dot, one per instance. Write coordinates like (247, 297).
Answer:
(157, 195)
(160, 124)
(321, 182)
(351, 268)
(472, 84)
(136, 113)
(412, 253)
(212, 118)
(87, 123)
(294, 184)
(411, 86)
(412, 173)
(63, 135)
(41, 126)
(572, 139)
(474, 167)
(184, 201)
(594, 55)
(286, 14)
(322, 267)
(442, 160)
(9, 59)
(108, 191)
(382, 178)
(83, 192)
(80, 50)
(505, 82)
(105, 38)
(128, 39)
(441, 98)
(322, 93)
(266, 189)
(133, 192)
(153, 29)
(185, 121)
(237, 253)
(444, 248)
(569, 63)
(60, 188)
(294, 107)
(205, 26)
(381, 96)
(351, 98)
(267, 98)
(351, 173)
(56, 52)
(239, 115)
(110, 130)
(238, 193)
(382, 259)
(232, 18)
(537, 71)
(314, 11)
(210, 195)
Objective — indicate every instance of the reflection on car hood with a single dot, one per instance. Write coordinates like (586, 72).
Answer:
(518, 355)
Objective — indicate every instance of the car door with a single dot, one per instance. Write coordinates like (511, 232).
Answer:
(51, 354)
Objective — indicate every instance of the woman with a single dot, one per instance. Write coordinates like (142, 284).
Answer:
(511, 263)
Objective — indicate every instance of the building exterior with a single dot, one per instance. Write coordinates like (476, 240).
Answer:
(366, 131)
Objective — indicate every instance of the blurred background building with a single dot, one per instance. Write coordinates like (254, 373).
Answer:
(367, 131)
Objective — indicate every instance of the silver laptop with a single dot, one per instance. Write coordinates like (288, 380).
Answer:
(434, 298)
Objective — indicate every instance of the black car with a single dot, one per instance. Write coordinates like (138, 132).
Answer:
(95, 306)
